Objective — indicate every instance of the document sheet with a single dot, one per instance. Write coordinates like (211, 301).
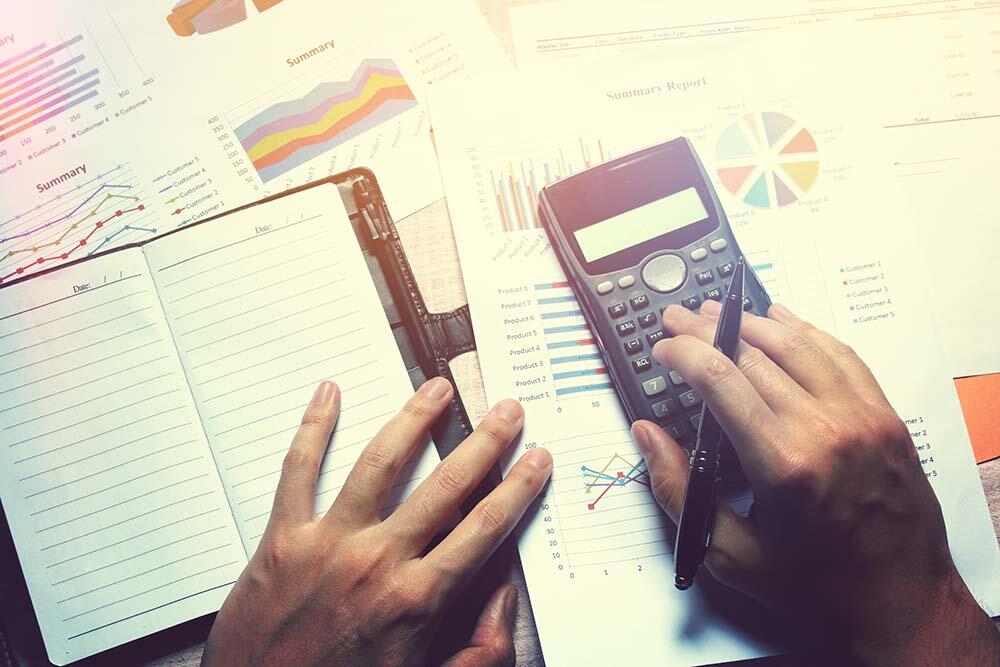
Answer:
(805, 206)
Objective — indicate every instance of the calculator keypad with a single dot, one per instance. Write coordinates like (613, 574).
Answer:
(635, 303)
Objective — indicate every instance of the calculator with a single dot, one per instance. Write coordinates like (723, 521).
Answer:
(634, 235)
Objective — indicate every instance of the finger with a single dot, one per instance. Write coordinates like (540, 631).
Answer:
(492, 643)
(489, 524)
(772, 383)
(439, 496)
(294, 499)
(734, 556)
(740, 410)
(859, 376)
(370, 481)
(798, 355)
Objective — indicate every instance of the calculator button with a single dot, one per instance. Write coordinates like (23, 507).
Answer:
(698, 254)
(654, 386)
(718, 245)
(626, 281)
(625, 328)
(692, 302)
(651, 338)
(726, 270)
(642, 364)
(715, 294)
(633, 346)
(647, 320)
(605, 287)
(747, 303)
(676, 378)
(689, 399)
(640, 302)
(676, 430)
(704, 277)
(664, 408)
(617, 310)
(695, 420)
(665, 273)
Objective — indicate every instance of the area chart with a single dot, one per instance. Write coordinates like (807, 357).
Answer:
(288, 134)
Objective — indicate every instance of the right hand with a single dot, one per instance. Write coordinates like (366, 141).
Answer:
(845, 527)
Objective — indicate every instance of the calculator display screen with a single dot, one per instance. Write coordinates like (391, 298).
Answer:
(641, 224)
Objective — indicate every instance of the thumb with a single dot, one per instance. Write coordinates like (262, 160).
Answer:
(734, 555)
(492, 643)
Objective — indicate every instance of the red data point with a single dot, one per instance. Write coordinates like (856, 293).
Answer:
(100, 224)
(142, 207)
(620, 474)
(83, 242)
(118, 214)
(65, 255)
(41, 260)
(21, 270)
(590, 506)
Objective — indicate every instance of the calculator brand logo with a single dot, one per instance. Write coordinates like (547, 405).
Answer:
(767, 159)
(191, 17)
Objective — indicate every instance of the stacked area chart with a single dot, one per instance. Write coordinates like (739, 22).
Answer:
(288, 134)
(767, 159)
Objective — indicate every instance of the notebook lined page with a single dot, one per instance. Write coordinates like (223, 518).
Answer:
(264, 305)
(116, 507)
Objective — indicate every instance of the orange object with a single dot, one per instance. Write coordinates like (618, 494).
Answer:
(980, 399)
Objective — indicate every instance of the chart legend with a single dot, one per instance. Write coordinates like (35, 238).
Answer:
(767, 159)
(577, 366)
(287, 134)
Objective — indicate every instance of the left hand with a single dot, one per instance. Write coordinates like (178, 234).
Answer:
(349, 589)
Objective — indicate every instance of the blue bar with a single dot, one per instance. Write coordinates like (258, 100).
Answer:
(557, 299)
(563, 344)
(763, 267)
(575, 358)
(565, 375)
(563, 313)
(585, 388)
(565, 329)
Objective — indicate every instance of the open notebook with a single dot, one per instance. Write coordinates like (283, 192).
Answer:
(148, 395)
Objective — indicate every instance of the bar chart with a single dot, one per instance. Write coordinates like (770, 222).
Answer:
(517, 183)
(577, 366)
(41, 83)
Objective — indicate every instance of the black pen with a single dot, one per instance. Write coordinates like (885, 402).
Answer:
(698, 513)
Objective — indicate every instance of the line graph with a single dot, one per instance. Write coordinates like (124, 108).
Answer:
(608, 478)
(104, 212)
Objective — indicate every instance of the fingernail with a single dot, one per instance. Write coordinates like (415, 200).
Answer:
(324, 394)
(509, 410)
(711, 307)
(781, 311)
(539, 458)
(435, 388)
(510, 605)
(641, 436)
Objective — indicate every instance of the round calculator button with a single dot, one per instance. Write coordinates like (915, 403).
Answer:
(626, 281)
(665, 273)
(718, 245)
(698, 254)
(605, 287)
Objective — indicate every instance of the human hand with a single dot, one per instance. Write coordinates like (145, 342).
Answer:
(845, 527)
(349, 589)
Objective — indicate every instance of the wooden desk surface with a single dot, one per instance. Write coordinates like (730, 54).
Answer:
(431, 249)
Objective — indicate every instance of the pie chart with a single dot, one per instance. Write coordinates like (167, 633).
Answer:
(767, 159)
